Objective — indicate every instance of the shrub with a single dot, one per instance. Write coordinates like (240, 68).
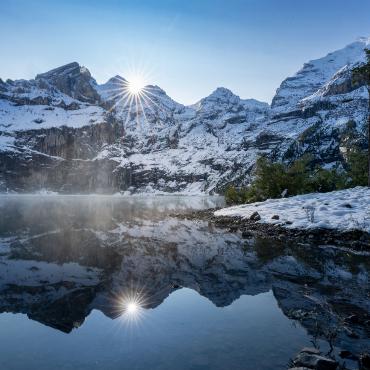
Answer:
(357, 167)
(231, 195)
(275, 180)
(272, 179)
(235, 195)
(324, 180)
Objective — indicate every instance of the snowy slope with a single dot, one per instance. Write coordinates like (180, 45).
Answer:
(34, 117)
(315, 74)
(342, 210)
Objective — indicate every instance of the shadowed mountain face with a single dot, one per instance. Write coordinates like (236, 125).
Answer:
(62, 257)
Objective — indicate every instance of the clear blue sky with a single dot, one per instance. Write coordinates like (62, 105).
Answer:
(188, 47)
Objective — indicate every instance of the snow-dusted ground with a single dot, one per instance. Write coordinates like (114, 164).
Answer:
(342, 210)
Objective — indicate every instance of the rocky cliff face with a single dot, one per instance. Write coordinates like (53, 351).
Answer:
(64, 132)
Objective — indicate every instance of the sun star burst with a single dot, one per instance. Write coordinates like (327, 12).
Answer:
(136, 85)
(131, 306)
(133, 96)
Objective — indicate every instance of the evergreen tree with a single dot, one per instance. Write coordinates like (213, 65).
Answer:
(361, 75)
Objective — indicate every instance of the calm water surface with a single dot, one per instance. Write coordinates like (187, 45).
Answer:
(95, 282)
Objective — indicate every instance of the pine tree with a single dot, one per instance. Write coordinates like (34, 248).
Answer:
(361, 75)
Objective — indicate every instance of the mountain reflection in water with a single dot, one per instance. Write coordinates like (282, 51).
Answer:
(61, 257)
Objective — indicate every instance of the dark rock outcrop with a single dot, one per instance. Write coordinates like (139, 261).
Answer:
(72, 80)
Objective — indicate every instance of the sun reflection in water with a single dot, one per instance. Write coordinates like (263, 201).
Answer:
(132, 302)
(131, 307)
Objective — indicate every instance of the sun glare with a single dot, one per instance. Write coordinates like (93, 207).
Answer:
(136, 85)
(133, 94)
(132, 308)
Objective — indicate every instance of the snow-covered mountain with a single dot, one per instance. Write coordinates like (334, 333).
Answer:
(315, 74)
(64, 132)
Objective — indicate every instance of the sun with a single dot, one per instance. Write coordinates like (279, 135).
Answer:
(132, 94)
(136, 85)
(132, 308)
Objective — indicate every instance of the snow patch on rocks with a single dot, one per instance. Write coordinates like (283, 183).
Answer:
(341, 210)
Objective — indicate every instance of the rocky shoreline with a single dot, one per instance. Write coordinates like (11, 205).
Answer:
(313, 358)
(355, 240)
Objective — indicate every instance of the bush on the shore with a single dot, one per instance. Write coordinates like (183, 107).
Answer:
(357, 167)
(275, 180)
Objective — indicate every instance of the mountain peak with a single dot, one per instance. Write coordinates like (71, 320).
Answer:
(364, 40)
(222, 92)
(314, 74)
(115, 80)
(67, 69)
(220, 95)
(73, 80)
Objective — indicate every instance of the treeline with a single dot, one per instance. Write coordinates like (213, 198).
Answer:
(275, 180)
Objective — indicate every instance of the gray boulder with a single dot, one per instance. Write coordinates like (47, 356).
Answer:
(315, 361)
(255, 216)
